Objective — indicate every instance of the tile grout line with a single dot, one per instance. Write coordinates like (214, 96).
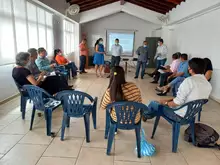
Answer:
(79, 151)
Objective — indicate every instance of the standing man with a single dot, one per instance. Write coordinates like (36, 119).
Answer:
(116, 53)
(142, 53)
(84, 52)
(161, 56)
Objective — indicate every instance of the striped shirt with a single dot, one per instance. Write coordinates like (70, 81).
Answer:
(130, 93)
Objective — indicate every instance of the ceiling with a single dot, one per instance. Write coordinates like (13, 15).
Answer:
(160, 6)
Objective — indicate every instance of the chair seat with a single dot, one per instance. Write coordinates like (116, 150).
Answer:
(51, 103)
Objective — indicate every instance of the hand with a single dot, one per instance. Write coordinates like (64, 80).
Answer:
(41, 77)
(169, 78)
(163, 102)
(52, 65)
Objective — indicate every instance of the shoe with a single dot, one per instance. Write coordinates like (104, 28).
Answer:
(142, 77)
(135, 77)
(84, 72)
(80, 72)
(162, 94)
(153, 82)
(108, 76)
(70, 86)
(149, 74)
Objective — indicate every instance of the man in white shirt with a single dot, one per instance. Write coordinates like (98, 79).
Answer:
(116, 53)
(161, 56)
(192, 88)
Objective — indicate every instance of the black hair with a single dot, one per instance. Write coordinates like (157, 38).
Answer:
(117, 79)
(176, 55)
(32, 51)
(184, 56)
(117, 39)
(144, 41)
(207, 63)
(21, 58)
(197, 65)
(97, 42)
(161, 40)
(40, 50)
(56, 51)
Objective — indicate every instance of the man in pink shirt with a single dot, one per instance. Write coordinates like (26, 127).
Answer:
(168, 70)
(84, 51)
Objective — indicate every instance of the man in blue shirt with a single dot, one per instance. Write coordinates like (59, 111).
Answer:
(43, 62)
(176, 78)
(143, 57)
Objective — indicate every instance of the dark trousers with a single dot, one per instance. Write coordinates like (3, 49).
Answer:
(115, 61)
(82, 63)
(163, 78)
(141, 65)
(54, 84)
(71, 66)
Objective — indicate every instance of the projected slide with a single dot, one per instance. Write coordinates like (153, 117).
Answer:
(126, 41)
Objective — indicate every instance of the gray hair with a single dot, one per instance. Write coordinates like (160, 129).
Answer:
(21, 58)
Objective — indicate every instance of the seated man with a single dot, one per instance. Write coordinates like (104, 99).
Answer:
(192, 88)
(167, 70)
(43, 62)
(181, 74)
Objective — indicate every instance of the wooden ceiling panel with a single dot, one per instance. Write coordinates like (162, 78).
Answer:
(160, 6)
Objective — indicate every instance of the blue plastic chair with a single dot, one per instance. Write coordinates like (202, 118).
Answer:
(74, 106)
(126, 113)
(24, 99)
(42, 101)
(193, 108)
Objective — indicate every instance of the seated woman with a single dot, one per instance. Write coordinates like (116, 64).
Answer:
(61, 60)
(120, 90)
(23, 76)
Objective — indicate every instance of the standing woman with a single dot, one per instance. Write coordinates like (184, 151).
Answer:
(99, 56)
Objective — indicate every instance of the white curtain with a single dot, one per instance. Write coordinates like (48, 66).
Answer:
(68, 37)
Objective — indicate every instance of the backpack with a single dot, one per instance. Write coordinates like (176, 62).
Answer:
(205, 136)
(107, 68)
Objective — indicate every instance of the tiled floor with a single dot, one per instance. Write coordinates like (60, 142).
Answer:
(19, 146)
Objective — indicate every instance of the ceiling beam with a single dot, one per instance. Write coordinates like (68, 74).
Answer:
(147, 3)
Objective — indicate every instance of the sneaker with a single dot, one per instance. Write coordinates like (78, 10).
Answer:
(135, 77)
(154, 82)
(149, 74)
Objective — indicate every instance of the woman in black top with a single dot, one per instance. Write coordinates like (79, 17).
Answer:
(23, 76)
(208, 69)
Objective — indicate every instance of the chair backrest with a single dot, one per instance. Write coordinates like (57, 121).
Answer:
(20, 89)
(38, 95)
(126, 113)
(73, 102)
(193, 108)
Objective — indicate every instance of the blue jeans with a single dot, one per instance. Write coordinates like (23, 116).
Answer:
(141, 65)
(73, 68)
(176, 86)
(161, 62)
(177, 80)
(82, 63)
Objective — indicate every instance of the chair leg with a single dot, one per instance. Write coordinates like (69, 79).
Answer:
(176, 137)
(111, 138)
(23, 106)
(63, 127)
(68, 122)
(32, 117)
(87, 126)
(138, 140)
(155, 126)
(199, 116)
(48, 121)
(94, 116)
(107, 125)
(192, 125)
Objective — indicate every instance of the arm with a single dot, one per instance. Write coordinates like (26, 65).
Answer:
(121, 50)
(41, 67)
(105, 100)
(82, 47)
(138, 51)
(208, 75)
(31, 79)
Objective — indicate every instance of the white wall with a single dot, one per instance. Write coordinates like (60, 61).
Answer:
(120, 21)
(199, 37)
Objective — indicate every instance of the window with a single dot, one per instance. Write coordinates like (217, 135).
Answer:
(68, 37)
(23, 25)
(126, 39)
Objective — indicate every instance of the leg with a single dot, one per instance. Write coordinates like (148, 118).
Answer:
(111, 138)
(81, 64)
(32, 117)
(113, 62)
(163, 62)
(96, 70)
(137, 69)
(143, 66)
(100, 69)
(87, 126)
(73, 69)
(117, 62)
(163, 78)
(67, 121)
(138, 140)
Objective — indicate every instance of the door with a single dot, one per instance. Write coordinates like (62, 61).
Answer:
(152, 44)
